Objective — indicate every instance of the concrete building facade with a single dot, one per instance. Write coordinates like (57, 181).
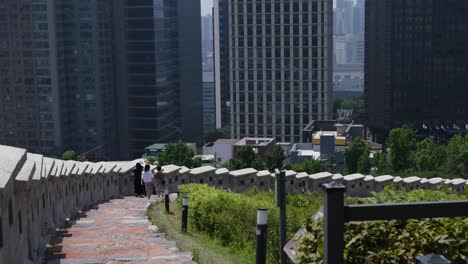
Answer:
(416, 67)
(221, 61)
(209, 105)
(158, 73)
(280, 66)
(57, 79)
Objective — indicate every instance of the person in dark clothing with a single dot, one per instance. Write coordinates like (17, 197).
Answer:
(138, 187)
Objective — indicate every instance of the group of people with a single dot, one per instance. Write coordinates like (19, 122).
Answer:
(145, 182)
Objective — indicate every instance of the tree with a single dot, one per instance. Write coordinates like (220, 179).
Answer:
(380, 163)
(457, 156)
(275, 158)
(214, 135)
(428, 155)
(258, 164)
(177, 153)
(232, 165)
(69, 155)
(401, 143)
(358, 107)
(246, 155)
(357, 151)
(309, 166)
(363, 165)
(197, 162)
(337, 104)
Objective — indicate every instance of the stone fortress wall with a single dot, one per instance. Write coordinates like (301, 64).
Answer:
(39, 194)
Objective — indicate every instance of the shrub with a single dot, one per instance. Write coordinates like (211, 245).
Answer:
(231, 218)
(395, 241)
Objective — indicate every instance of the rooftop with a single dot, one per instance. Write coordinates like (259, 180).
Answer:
(255, 141)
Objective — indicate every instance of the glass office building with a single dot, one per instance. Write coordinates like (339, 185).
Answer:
(280, 65)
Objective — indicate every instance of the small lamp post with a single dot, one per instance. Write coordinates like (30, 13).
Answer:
(166, 199)
(184, 214)
(262, 215)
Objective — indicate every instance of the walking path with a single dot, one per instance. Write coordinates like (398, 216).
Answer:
(114, 232)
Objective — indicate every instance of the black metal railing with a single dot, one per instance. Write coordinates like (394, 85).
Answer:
(336, 214)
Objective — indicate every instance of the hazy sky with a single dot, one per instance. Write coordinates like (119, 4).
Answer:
(206, 6)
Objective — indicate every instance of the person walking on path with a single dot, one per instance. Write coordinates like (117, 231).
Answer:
(159, 181)
(147, 179)
(137, 185)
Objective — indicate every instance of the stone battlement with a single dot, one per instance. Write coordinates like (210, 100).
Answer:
(38, 194)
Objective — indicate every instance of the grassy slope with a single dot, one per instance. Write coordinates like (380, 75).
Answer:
(204, 249)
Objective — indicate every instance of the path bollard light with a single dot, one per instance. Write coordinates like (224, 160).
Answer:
(262, 215)
(166, 199)
(184, 214)
(432, 259)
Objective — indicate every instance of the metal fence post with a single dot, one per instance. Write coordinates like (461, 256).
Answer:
(184, 214)
(333, 223)
(260, 256)
(281, 203)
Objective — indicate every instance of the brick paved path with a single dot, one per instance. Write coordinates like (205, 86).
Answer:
(115, 232)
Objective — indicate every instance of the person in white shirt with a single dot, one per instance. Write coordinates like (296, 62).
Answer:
(147, 179)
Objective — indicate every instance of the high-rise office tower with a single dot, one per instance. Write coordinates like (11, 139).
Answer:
(221, 61)
(207, 42)
(416, 63)
(209, 109)
(280, 65)
(57, 76)
(358, 17)
(19, 104)
(85, 76)
(158, 73)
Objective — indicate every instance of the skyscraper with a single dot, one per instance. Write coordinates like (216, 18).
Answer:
(280, 66)
(221, 61)
(207, 42)
(57, 76)
(19, 105)
(158, 73)
(106, 78)
(209, 109)
(85, 76)
(416, 63)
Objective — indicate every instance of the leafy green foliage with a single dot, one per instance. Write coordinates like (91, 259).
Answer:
(69, 155)
(401, 142)
(275, 159)
(457, 155)
(245, 158)
(258, 164)
(381, 163)
(178, 154)
(310, 166)
(197, 162)
(246, 155)
(358, 107)
(395, 241)
(231, 218)
(428, 155)
(233, 164)
(357, 156)
(423, 158)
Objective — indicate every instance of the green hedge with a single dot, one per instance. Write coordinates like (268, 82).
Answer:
(231, 218)
(395, 241)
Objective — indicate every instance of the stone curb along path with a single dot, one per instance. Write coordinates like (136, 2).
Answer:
(116, 231)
